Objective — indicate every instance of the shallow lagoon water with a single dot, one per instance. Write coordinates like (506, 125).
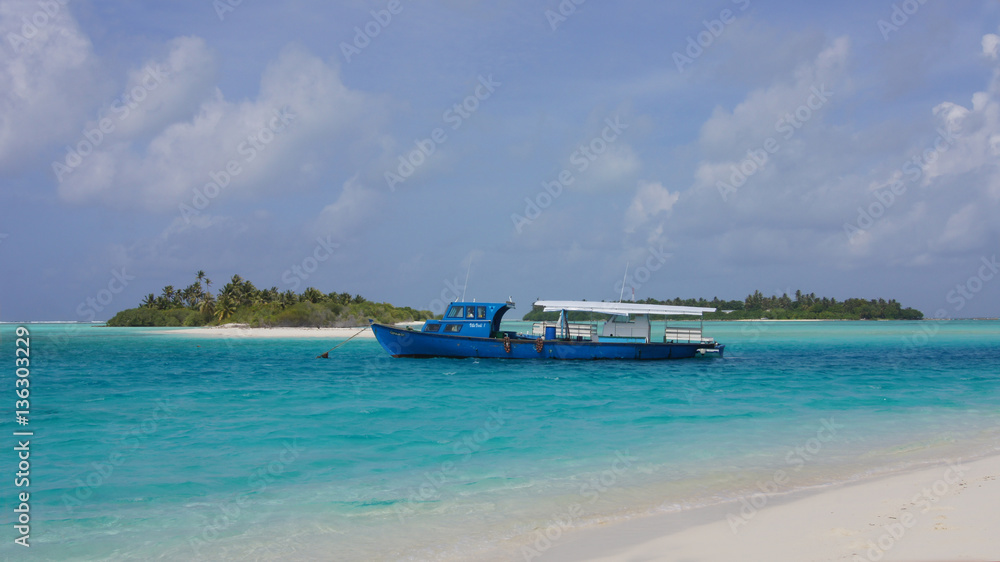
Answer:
(168, 446)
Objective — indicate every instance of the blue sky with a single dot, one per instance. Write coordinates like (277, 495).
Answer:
(846, 149)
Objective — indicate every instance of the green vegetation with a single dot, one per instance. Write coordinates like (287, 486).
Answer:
(239, 301)
(755, 306)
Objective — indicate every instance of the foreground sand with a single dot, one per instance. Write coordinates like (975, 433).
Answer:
(948, 512)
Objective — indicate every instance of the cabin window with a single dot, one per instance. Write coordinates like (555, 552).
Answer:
(471, 314)
(481, 312)
(456, 312)
(452, 327)
(432, 327)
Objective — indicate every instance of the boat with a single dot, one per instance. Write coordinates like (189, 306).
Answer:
(472, 329)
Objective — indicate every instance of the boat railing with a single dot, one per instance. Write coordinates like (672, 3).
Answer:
(677, 335)
(577, 330)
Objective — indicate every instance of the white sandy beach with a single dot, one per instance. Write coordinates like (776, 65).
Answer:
(244, 331)
(948, 512)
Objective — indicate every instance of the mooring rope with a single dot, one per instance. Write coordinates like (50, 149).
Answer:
(327, 354)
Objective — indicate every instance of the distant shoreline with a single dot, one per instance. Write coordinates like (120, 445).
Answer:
(175, 329)
(245, 331)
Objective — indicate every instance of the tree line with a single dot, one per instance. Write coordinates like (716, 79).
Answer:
(804, 306)
(240, 301)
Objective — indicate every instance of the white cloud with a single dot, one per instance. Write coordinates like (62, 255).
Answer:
(303, 117)
(611, 170)
(991, 45)
(349, 212)
(963, 229)
(49, 78)
(975, 145)
(793, 208)
(729, 134)
(171, 89)
(650, 200)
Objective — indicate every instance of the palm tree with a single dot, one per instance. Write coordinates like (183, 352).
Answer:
(225, 308)
(149, 301)
(199, 277)
(230, 291)
(312, 295)
(207, 304)
(257, 298)
(192, 294)
(271, 295)
(248, 293)
(168, 293)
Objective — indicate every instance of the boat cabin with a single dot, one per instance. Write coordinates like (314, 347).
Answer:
(472, 319)
(628, 322)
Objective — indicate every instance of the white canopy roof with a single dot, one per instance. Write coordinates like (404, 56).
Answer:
(622, 308)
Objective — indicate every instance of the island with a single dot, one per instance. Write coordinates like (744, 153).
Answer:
(804, 306)
(240, 302)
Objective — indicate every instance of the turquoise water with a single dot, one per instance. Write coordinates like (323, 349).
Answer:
(153, 446)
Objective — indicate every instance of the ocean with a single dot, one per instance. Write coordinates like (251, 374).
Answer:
(166, 446)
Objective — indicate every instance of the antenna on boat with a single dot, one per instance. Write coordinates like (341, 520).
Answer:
(466, 286)
(624, 277)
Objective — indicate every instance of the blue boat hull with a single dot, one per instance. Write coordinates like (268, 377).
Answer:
(411, 343)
